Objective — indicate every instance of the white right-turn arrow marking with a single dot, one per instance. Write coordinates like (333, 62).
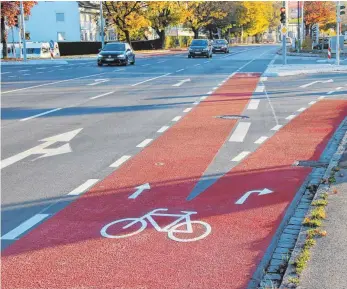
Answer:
(246, 195)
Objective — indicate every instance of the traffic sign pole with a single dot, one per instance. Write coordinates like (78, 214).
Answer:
(23, 31)
(338, 17)
(102, 26)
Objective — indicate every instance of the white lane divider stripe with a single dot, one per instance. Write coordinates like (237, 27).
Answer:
(260, 88)
(196, 102)
(180, 70)
(143, 65)
(120, 161)
(40, 114)
(240, 156)
(330, 92)
(290, 116)
(210, 92)
(253, 104)
(176, 118)
(312, 102)
(162, 129)
(261, 140)
(264, 78)
(25, 226)
(203, 97)
(240, 132)
(301, 109)
(338, 88)
(101, 95)
(82, 188)
(144, 143)
(215, 88)
(321, 97)
(276, 127)
(188, 109)
(151, 79)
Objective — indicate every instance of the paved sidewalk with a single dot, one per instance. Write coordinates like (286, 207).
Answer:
(327, 268)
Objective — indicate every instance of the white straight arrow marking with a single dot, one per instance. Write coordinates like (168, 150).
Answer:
(314, 82)
(139, 190)
(181, 82)
(246, 195)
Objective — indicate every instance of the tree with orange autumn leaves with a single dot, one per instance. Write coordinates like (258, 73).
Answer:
(9, 11)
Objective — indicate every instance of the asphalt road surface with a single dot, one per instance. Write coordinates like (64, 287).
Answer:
(211, 141)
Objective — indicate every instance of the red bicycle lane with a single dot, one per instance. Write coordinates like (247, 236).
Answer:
(68, 250)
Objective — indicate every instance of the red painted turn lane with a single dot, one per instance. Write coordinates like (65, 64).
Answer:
(68, 250)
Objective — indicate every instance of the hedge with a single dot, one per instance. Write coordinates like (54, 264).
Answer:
(82, 48)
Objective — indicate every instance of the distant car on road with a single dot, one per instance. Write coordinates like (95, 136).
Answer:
(200, 47)
(220, 45)
(116, 53)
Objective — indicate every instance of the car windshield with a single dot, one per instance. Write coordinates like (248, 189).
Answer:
(220, 42)
(199, 43)
(114, 47)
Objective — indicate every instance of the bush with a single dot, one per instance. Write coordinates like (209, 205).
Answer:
(307, 44)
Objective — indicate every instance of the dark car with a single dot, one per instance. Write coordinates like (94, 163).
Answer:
(200, 47)
(116, 53)
(220, 45)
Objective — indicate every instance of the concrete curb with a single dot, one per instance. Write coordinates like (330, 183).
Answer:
(34, 62)
(278, 254)
(341, 137)
(279, 70)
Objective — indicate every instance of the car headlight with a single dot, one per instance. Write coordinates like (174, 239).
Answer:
(190, 49)
(205, 49)
(121, 56)
(99, 56)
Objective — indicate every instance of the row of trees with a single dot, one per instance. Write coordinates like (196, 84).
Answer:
(132, 19)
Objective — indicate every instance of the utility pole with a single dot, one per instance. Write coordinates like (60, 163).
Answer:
(299, 38)
(338, 17)
(284, 32)
(102, 26)
(22, 29)
(302, 23)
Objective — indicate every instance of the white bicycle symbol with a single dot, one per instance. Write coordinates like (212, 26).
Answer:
(170, 229)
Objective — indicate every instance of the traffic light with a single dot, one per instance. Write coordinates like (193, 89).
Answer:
(283, 15)
(342, 12)
(16, 23)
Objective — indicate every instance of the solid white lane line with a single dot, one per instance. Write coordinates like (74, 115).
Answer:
(50, 83)
(338, 88)
(240, 132)
(264, 78)
(144, 143)
(260, 88)
(210, 92)
(25, 226)
(240, 156)
(312, 102)
(188, 109)
(203, 97)
(180, 70)
(261, 139)
(162, 129)
(120, 161)
(330, 92)
(176, 118)
(276, 127)
(82, 188)
(24, 70)
(214, 88)
(253, 104)
(301, 109)
(101, 95)
(321, 97)
(40, 114)
(290, 116)
(151, 79)
(143, 65)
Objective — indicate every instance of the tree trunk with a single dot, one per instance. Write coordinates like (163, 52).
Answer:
(127, 36)
(162, 38)
(3, 38)
(307, 29)
(211, 33)
(196, 33)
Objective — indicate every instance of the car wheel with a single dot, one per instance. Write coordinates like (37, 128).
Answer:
(193, 56)
(189, 56)
(133, 62)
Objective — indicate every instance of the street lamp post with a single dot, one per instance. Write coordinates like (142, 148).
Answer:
(338, 18)
(22, 29)
(102, 26)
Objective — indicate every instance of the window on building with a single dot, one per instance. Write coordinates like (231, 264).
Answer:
(61, 36)
(60, 17)
(87, 18)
